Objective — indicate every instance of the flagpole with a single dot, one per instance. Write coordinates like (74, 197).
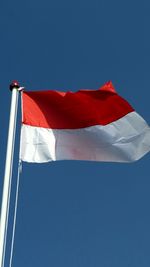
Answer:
(14, 87)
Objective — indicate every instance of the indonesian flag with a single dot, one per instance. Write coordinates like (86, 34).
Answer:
(96, 125)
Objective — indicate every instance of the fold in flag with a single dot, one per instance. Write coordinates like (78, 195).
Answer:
(96, 125)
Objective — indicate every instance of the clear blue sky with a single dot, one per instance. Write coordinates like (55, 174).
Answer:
(78, 214)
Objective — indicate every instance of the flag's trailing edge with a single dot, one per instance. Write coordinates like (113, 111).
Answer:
(96, 125)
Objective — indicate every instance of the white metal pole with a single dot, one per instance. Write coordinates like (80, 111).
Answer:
(8, 171)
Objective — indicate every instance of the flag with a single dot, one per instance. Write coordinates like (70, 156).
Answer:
(95, 125)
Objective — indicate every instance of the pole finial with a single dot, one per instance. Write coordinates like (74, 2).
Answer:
(14, 84)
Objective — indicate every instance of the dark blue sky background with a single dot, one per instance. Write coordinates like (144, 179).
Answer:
(78, 214)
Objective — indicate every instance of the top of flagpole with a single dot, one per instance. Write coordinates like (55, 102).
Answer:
(15, 84)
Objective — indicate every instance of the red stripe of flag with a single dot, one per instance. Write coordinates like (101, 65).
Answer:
(73, 110)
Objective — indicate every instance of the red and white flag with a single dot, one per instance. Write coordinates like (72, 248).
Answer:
(96, 125)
